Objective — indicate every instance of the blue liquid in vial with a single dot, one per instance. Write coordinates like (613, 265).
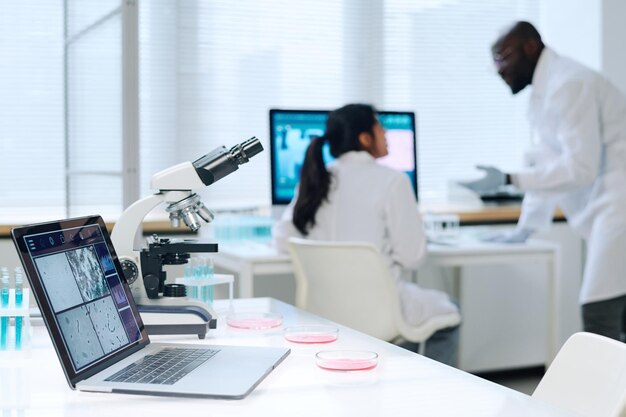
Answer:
(19, 284)
(4, 324)
(18, 319)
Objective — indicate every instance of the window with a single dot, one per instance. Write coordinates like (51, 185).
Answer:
(93, 107)
(60, 99)
(438, 62)
(31, 108)
(210, 70)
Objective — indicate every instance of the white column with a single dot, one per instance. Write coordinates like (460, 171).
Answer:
(613, 36)
(574, 29)
(130, 101)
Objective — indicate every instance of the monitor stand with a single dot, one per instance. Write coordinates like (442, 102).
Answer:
(277, 211)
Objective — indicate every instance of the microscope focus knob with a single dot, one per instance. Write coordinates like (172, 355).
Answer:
(130, 269)
(151, 284)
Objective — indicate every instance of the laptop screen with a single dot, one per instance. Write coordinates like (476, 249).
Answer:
(76, 279)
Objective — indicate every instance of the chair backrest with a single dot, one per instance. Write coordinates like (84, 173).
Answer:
(588, 377)
(346, 282)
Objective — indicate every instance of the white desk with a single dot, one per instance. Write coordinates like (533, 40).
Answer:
(403, 383)
(250, 260)
(458, 257)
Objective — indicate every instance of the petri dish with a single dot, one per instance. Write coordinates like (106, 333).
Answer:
(313, 333)
(346, 360)
(254, 321)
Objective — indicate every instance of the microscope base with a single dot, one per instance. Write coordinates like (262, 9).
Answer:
(158, 329)
(161, 321)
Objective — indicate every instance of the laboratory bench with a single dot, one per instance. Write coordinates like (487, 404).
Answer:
(467, 215)
(476, 215)
(402, 384)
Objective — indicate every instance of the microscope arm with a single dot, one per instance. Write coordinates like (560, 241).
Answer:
(127, 234)
(128, 240)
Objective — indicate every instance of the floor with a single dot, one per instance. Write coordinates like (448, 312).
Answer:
(523, 380)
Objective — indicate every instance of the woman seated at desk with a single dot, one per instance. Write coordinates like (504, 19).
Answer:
(356, 199)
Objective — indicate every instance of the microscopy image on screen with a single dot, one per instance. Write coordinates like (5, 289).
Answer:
(130, 324)
(107, 323)
(117, 291)
(80, 336)
(88, 273)
(58, 280)
(105, 258)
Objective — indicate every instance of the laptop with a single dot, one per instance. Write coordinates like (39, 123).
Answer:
(98, 333)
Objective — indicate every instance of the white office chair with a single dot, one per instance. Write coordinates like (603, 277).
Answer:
(588, 377)
(349, 283)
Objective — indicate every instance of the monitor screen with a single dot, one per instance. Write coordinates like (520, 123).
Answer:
(291, 132)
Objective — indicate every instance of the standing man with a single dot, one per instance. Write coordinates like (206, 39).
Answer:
(579, 120)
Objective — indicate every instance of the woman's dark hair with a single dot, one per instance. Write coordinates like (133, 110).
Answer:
(343, 128)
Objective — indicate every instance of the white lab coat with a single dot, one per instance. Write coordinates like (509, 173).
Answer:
(579, 164)
(372, 203)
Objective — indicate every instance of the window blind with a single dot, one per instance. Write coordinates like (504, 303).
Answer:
(212, 69)
(60, 113)
(31, 109)
(438, 62)
(93, 103)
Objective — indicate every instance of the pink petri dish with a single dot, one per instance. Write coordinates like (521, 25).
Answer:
(254, 321)
(311, 334)
(346, 360)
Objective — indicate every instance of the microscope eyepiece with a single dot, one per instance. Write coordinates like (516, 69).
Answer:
(246, 150)
(220, 162)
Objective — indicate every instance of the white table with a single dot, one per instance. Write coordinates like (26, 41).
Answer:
(482, 253)
(250, 260)
(403, 383)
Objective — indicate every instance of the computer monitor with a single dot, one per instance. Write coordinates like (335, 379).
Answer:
(291, 132)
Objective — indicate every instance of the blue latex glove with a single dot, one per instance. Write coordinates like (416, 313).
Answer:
(519, 235)
(493, 179)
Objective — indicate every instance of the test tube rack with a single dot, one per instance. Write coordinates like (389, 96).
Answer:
(216, 279)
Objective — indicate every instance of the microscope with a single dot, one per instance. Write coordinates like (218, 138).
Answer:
(143, 264)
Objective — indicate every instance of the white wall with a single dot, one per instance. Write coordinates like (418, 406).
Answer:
(590, 31)
(8, 254)
(573, 28)
(613, 36)
(10, 259)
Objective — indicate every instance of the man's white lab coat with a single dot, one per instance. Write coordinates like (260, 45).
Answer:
(372, 203)
(579, 165)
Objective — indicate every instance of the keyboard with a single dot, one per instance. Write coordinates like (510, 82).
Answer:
(164, 367)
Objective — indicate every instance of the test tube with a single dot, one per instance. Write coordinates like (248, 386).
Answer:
(209, 271)
(4, 303)
(200, 270)
(192, 291)
(19, 284)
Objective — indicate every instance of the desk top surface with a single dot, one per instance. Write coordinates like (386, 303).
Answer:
(468, 215)
(261, 252)
(403, 383)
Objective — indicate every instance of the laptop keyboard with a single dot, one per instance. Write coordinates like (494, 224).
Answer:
(165, 367)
